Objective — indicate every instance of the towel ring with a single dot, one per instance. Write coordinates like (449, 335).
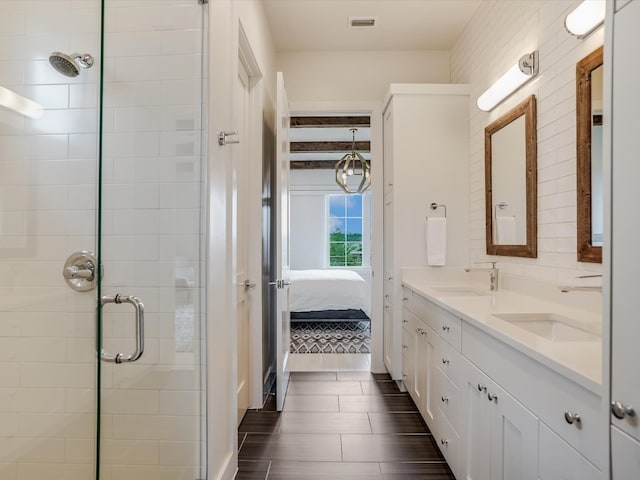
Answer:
(435, 205)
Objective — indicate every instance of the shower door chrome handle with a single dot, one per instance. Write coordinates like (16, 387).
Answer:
(139, 312)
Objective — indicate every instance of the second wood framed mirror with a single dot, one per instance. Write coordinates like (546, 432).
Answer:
(511, 182)
(589, 157)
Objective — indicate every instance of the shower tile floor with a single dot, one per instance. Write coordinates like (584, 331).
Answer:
(340, 425)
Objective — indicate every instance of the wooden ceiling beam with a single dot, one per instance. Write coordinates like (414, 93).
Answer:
(329, 122)
(299, 147)
(314, 164)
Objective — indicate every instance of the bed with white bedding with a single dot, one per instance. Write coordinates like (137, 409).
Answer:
(326, 290)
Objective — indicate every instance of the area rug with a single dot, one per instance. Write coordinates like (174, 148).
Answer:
(331, 337)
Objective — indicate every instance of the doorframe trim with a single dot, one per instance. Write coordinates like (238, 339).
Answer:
(374, 110)
(253, 137)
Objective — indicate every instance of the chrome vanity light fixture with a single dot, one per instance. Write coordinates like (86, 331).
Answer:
(586, 17)
(353, 164)
(524, 70)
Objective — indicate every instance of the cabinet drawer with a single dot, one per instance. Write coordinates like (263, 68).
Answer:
(545, 392)
(450, 362)
(447, 397)
(448, 442)
(409, 321)
(406, 297)
(445, 324)
(558, 460)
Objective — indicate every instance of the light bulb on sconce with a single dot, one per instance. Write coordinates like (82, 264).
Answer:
(524, 70)
(586, 17)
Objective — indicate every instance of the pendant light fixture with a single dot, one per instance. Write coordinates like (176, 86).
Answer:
(353, 164)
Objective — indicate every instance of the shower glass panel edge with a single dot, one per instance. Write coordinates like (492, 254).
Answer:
(151, 214)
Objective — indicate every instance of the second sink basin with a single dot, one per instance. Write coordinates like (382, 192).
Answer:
(550, 326)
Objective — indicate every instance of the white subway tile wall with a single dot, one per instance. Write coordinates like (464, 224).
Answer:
(494, 39)
(152, 411)
(48, 190)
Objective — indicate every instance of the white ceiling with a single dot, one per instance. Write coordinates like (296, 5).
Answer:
(322, 25)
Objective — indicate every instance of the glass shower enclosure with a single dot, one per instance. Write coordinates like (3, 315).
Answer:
(102, 358)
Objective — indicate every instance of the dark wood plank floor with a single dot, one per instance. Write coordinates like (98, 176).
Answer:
(340, 426)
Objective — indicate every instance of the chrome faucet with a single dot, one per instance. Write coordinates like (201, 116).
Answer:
(493, 274)
(582, 288)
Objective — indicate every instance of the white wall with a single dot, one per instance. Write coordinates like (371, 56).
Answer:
(355, 75)
(498, 34)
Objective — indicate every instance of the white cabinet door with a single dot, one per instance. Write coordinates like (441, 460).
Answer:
(559, 461)
(387, 162)
(476, 425)
(625, 262)
(514, 434)
(625, 456)
(387, 324)
(408, 368)
(500, 436)
(423, 361)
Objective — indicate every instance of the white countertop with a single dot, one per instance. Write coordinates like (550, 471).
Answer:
(579, 361)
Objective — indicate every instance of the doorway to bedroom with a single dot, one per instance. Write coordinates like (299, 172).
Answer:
(330, 242)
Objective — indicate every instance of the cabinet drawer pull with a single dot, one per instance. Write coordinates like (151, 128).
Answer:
(445, 361)
(446, 328)
(444, 399)
(405, 299)
(492, 397)
(405, 321)
(405, 346)
(482, 387)
(572, 417)
(444, 442)
(621, 410)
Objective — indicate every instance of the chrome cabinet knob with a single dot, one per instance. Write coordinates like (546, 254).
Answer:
(405, 321)
(620, 410)
(405, 299)
(445, 361)
(572, 417)
(444, 399)
(444, 442)
(482, 387)
(446, 328)
(492, 397)
(405, 346)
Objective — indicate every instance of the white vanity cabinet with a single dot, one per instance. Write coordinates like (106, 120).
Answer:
(494, 411)
(625, 228)
(426, 160)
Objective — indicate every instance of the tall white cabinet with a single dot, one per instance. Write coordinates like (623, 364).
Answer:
(426, 160)
(625, 227)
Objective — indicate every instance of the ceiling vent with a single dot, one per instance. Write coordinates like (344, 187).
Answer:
(362, 22)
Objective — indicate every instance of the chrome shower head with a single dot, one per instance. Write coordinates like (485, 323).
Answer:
(69, 65)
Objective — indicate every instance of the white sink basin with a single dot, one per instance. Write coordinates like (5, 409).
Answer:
(549, 326)
(459, 291)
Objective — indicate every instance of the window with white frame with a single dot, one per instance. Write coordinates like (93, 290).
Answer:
(345, 227)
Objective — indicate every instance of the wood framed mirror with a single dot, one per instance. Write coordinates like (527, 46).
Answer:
(589, 157)
(511, 182)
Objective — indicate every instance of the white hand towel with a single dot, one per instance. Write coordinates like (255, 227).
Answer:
(436, 238)
(506, 230)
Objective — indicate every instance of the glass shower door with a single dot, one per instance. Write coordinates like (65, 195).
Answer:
(48, 191)
(152, 210)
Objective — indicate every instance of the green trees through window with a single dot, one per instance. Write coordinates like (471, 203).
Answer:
(345, 230)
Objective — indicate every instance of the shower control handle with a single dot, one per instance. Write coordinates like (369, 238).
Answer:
(139, 312)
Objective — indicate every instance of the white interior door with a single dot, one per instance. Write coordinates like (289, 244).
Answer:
(283, 318)
(243, 283)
